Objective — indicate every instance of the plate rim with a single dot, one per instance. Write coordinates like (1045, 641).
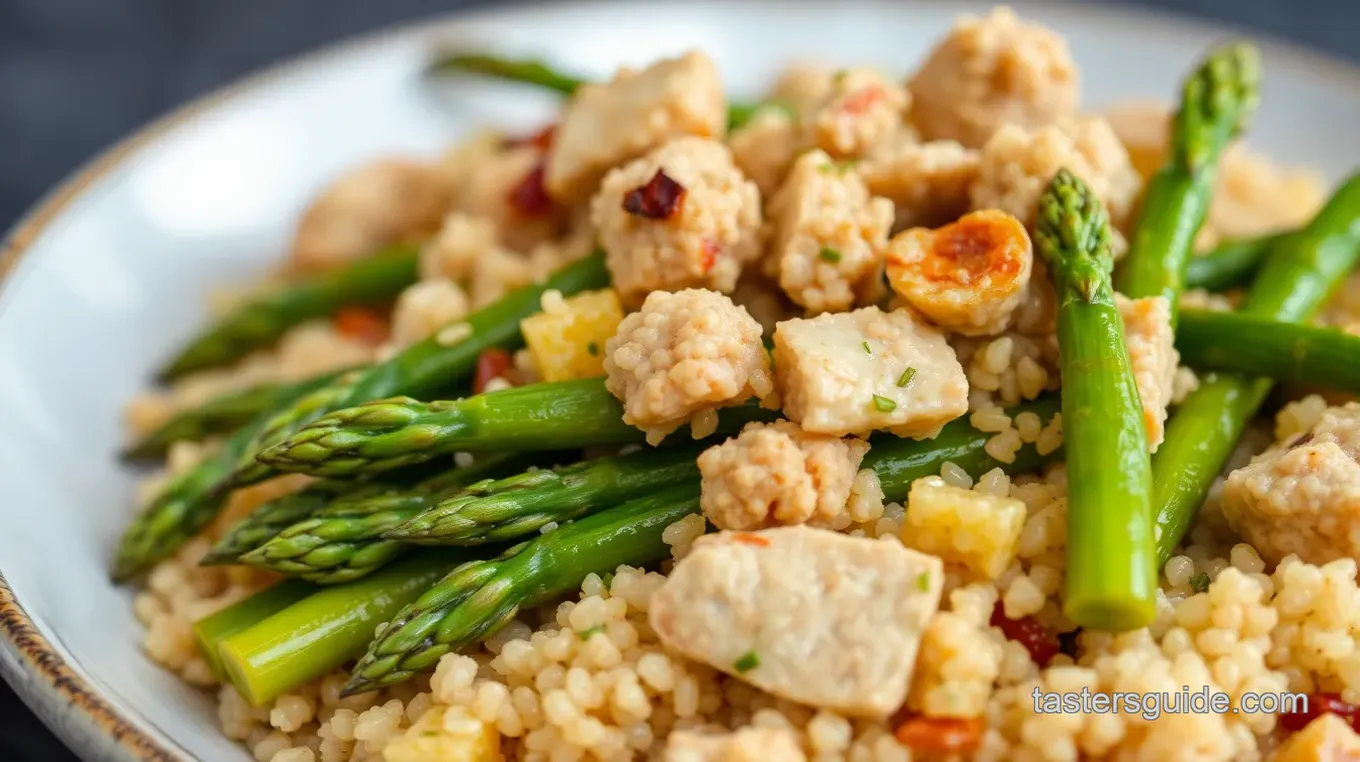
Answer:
(74, 710)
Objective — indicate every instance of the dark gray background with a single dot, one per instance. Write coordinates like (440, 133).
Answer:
(75, 75)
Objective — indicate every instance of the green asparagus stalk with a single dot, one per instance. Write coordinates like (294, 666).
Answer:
(328, 628)
(539, 74)
(266, 317)
(422, 370)
(210, 631)
(186, 504)
(265, 522)
(1296, 279)
(388, 434)
(344, 541)
(1236, 343)
(1111, 569)
(222, 414)
(1231, 264)
(476, 600)
(1217, 103)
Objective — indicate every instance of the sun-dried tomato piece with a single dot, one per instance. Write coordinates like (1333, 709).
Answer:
(1027, 631)
(859, 101)
(944, 735)
(542, 140)
(529, 198)
(491, 363)
(660, 198)
(361, 324)
(708, 254)
(746, 538)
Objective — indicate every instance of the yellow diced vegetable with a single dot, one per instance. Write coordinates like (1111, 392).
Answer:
(437, 737)
(566, 340)
(977, 530)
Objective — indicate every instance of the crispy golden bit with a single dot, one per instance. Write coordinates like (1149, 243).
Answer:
(968, 276)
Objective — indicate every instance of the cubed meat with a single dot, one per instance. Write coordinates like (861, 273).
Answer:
(749, 744)
(764, 147)
(1302, 496)
(828, 234)
(861, 111)
(973, 529)
(991, 71)
(1151, 344)
(682, 356)
(776, 473)
(927, 182)
(682, 216)
(807, 614)
(605, 125)
(856, 372)
(968, 276)
(802, 85)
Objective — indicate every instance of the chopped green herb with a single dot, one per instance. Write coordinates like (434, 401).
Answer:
(867, 349)
(1200, 582)
(593, 349)
(906, 377)
(923, 582)
(839, 75)
(884, 405)
(839, 167)
(607, 580)
(588, 633)
(829, 254)
(747, 662)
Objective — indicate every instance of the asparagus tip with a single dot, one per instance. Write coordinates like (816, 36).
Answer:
(1218, 102)
(1073, 235)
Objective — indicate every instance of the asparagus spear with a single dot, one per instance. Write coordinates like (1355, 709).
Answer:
(220, 415)
(1111, 571)
(344, 541)
(539, 74)
(1217, 102)
(475, 600)
(213, 629)
(388, 434)
(328, 628)
(423, 369)
(1236, 343)
(509, 508)
(1231, 264)
(264, 318)
(1297, 277)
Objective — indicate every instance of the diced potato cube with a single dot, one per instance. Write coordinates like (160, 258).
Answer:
(1326, 739)
(977, 530)
(567, 339)
(434, 738)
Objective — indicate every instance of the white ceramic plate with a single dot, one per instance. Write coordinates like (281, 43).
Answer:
(107, 275)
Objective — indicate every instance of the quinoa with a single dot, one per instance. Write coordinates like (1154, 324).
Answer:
(859, 112)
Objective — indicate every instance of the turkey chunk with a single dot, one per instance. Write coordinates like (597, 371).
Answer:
(861, 111)
(927, 182)
(854, 372)
(764, 147)
(749, 744)
(682, 356)
(1302, 496)
(968, 276)
(807, 614)
(1151, 344)
(992, 71)
(376, 204)
(776, 473)
(828, 234)
(1326, 739)
(604, 125)
(1017, 164)
(654, 241)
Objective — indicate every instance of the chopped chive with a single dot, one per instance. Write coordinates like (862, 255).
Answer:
(865, 345)
(923, 582)
(829, 254)
(593, 349)
(607, 580)
(1200, 582)
(747, 662)
(884, 404)
(906, 377)
(590, 632)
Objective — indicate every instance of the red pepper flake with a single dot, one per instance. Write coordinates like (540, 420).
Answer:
(659, 199)
(708, 254)
(542, 140)
(1027, 631)
(529, 198)
(746, 538)
(361, 324)
(944, 735)
(491, 363)
(1318, 705)
(859, 101)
